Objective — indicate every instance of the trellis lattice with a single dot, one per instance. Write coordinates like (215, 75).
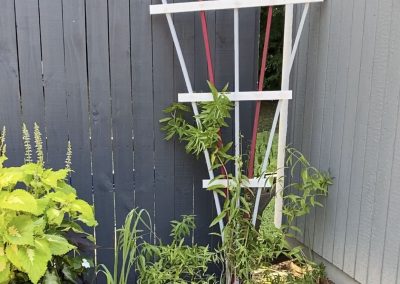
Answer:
(281, 113)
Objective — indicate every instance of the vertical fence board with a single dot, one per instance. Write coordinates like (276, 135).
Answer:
(51, 29)
(248, 54)
(143, 105)
(77, 95)
(122, 119)
(164, 152)
(224, 60)
(204, 214)
(100, 111)
(184, 163)
(29, 54)
(10, 115)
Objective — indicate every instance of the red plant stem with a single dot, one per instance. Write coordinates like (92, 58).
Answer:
(260, 88)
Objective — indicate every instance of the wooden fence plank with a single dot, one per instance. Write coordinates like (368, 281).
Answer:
(100, 109)
(164, 151)
(204, 214)
(184, 163)
(10, 114)
(248, 60)
(29, 54)
(122, 119)
(143, 104)
(77, 96)
(51, 29)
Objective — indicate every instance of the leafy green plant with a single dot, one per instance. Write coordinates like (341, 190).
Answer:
(205, 135)
(130, 240)
(261, 146)
(39, 216)
(156, 262)
(176, 262)
(312, 185)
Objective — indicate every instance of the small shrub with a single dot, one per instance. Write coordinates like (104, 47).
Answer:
(40, 216)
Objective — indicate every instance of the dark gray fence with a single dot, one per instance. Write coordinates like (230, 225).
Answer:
(100, 73)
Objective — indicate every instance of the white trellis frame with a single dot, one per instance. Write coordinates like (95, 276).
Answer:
(281, 114)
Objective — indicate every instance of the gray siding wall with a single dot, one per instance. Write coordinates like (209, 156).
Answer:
(345, 119)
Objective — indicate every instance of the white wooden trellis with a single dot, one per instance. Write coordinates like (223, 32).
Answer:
(283, 96)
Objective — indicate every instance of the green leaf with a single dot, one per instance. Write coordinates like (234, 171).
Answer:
(86, 212)
(58, 245)
(51, 278)
(51, 178)
(218, 218)
(30, 259)
(61, 197)
(39, 226)
(65, 188)
(69, 274)
(20, 200)
(20, 230)
(55, 216)
(5, 273)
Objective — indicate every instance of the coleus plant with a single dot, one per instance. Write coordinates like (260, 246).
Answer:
(39, 211)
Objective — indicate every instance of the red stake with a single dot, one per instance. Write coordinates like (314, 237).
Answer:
(260, 88)
(210, 68)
